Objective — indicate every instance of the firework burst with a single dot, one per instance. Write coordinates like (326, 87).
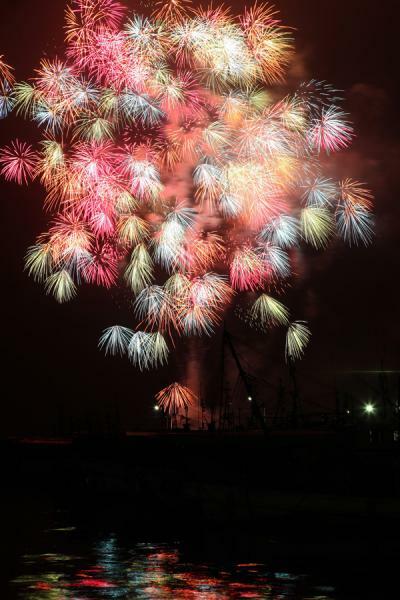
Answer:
(175, 398)
(170, 167)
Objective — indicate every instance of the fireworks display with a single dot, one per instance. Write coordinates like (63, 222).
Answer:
(174, 398)
(172, 165)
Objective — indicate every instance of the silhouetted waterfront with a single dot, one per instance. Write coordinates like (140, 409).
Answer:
(209, 517)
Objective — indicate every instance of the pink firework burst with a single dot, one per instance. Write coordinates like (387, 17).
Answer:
(173, 168)
(19, 162)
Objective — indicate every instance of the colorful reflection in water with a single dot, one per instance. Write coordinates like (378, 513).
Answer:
(109, 569)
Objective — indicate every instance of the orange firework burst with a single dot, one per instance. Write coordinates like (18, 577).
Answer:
(175, 398)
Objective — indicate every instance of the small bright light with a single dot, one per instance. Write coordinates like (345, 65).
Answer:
(156, 407)
(348, 412)
(369, 408)
(249, 398)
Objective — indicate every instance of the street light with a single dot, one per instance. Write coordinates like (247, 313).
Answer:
(369, 408)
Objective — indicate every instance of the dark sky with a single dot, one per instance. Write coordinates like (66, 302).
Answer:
(350, 296)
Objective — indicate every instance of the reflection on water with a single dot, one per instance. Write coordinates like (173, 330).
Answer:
(82, 569)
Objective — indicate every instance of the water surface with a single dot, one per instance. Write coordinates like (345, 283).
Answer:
(67, 563)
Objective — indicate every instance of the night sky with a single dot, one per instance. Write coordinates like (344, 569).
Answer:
(52, 368)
